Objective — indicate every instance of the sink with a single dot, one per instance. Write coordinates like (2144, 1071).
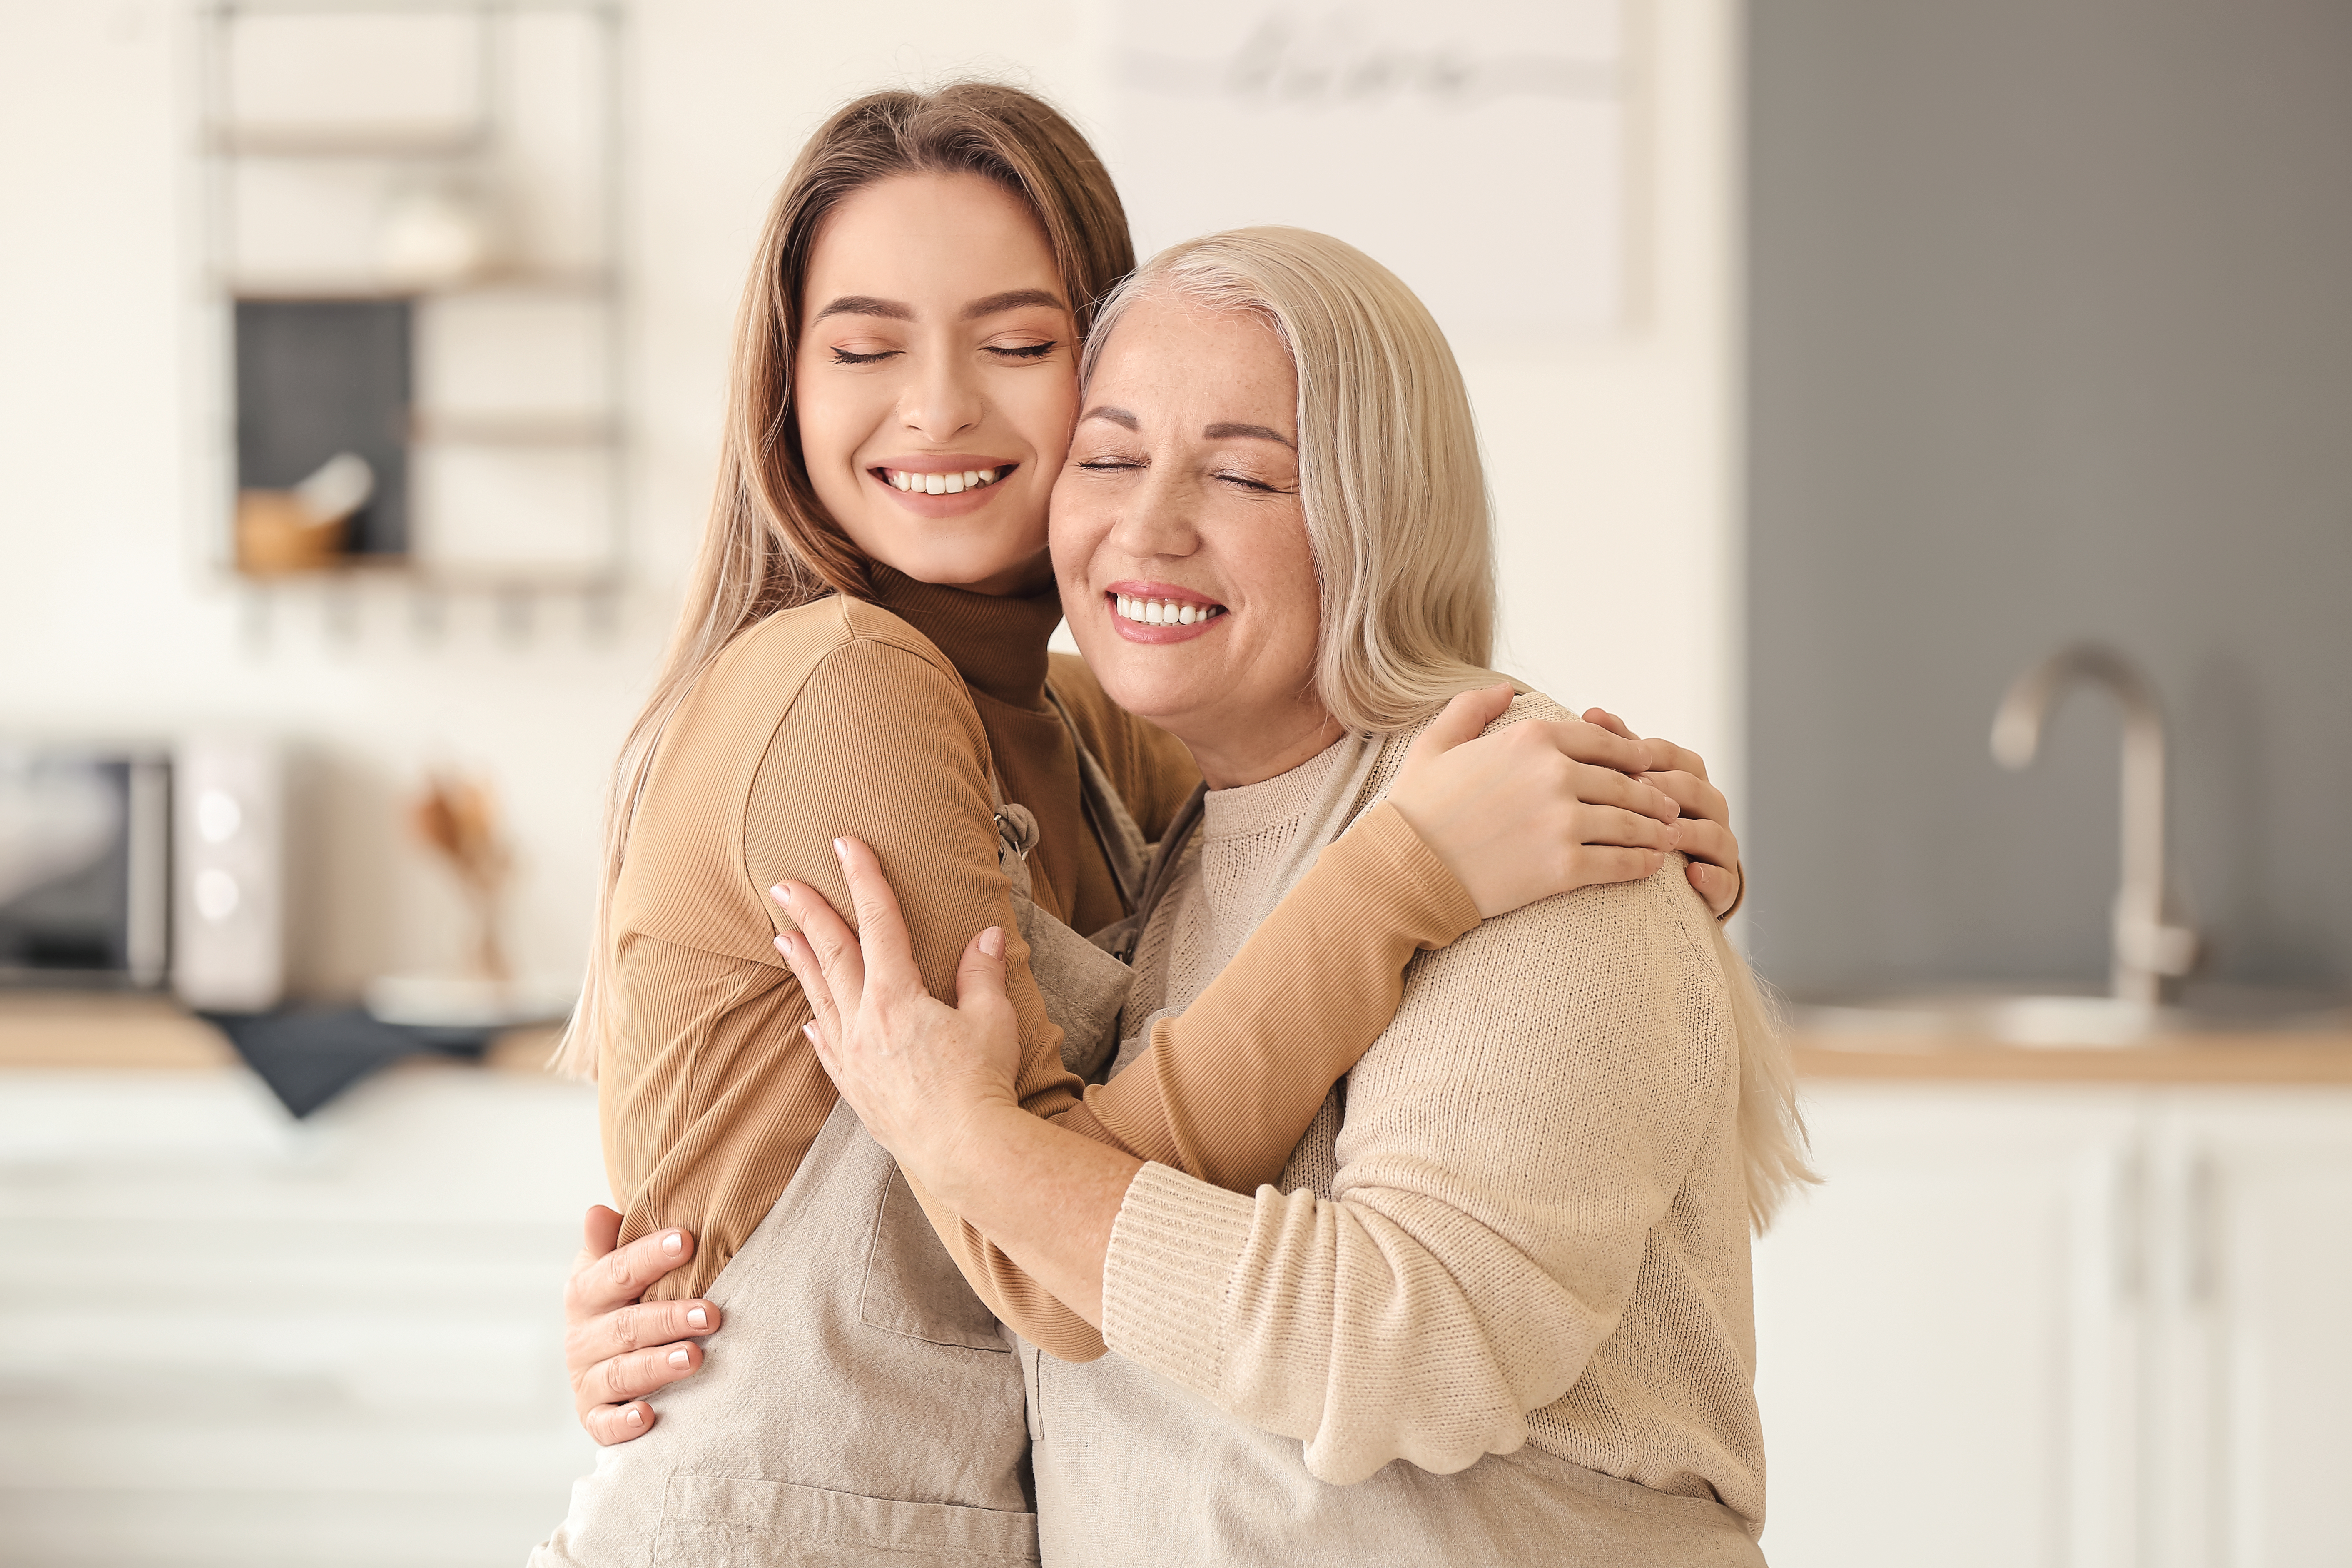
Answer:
(2072, 1021)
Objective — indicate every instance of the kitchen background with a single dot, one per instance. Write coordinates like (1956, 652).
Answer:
(1857, 354)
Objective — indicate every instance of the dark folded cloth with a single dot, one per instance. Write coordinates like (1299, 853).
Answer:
(309, 1056)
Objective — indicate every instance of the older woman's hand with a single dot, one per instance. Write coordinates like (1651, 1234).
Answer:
(1546, 807)
(918, 1072)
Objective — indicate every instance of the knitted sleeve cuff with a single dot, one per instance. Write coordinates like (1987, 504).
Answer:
(1173, 1249)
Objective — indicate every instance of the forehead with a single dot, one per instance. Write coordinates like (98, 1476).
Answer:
(948, 236)
(1171, 352)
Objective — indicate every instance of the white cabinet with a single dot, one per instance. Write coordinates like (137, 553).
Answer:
(227, 1337)
(2084, 1328)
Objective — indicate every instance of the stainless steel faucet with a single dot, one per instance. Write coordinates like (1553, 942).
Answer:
(2147, 952)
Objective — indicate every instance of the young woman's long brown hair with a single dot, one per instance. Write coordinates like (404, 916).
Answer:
(769, 545)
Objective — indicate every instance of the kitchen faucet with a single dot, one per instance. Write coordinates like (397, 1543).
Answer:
(2147, 951)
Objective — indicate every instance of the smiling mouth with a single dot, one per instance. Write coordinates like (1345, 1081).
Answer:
(1162, 612)
(947, 484)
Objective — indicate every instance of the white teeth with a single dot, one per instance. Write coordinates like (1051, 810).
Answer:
(943, 484)
(1164, 612)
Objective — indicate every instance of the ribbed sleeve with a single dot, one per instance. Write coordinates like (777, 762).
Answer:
(1228, 1085)
(1173, 1251)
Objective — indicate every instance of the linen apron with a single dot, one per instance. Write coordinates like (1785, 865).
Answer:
(862, 1409)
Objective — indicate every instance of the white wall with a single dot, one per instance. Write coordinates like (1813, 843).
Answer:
(1612, 463)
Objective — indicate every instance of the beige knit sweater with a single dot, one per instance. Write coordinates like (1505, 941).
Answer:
(1531, 1226)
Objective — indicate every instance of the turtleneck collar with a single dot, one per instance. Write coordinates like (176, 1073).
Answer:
(998, 643)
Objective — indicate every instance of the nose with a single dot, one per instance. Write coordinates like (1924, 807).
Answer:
(944, 400)
(1157, 521)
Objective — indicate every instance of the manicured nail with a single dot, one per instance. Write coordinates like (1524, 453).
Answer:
(782, 894)
(809, 1031)
(841, 847)
(991, 941)
(635, 1416)
(679, 1358)
(674, 1243)
(696, 1317)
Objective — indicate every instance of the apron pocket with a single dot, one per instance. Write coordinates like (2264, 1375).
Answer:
(732, 1521)
(913, 1288)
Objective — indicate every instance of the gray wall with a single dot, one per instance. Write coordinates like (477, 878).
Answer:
(2050, 306)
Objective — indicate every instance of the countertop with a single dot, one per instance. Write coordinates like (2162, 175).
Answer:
(69, 1031)
(2266, 1058)
(98, 1031)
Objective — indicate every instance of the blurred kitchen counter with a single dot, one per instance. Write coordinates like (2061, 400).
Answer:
(2217, 1058)
(79, 1031)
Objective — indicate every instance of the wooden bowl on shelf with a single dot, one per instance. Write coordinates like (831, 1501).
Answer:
(278, 535)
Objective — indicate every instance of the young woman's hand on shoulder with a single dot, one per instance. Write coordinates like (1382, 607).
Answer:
(1550, 805)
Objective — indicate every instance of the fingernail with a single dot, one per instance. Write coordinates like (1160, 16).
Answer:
(697, 1318)
(782, 894)
(784, 945)
(809, 1031)
(678, 1358)
(841, 846)
(674, 1243)
(991, 941)
(635, 1417)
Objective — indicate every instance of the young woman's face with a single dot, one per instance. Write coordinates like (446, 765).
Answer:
(936, 378)
(1182, 492)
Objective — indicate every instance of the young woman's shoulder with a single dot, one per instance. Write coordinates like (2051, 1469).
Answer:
(1151, 769)
(834, 698)
(770, 665)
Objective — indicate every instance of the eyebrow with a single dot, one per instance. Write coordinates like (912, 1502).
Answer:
(1119, 416)
(866, 305)
(893, 309)
(1253, 432)
(1011, 299)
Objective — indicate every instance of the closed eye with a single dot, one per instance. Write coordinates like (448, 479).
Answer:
(1025, 351)
(843, 356)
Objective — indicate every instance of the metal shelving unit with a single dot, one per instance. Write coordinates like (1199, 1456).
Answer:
(479, 146)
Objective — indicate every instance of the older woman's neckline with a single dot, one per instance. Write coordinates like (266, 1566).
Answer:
(1244, 810)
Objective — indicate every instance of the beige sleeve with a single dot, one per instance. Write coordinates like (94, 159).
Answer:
(1226, 1088)
(714, 1097)
(1508, 1147)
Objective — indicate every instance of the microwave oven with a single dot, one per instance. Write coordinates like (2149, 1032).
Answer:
(133, 868)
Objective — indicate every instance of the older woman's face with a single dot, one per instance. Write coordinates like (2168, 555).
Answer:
(1181, 543)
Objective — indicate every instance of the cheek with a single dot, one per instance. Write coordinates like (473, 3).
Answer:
(1045, 408)
(822, 418)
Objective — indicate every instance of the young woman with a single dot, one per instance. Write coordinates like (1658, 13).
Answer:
(865, 649)
(1512, 1252)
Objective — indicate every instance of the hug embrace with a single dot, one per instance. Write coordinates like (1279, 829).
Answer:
(1267, 1091)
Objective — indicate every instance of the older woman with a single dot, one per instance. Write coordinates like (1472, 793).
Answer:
(1512, 1251)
